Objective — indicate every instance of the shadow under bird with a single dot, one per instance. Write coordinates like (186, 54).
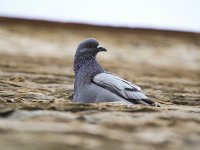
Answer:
(93, 84)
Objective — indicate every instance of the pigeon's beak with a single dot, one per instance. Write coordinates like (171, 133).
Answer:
(101, 49)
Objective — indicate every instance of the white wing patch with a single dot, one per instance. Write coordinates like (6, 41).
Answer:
(119, 86)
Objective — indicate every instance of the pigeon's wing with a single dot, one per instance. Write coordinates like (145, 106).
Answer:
(121, 87)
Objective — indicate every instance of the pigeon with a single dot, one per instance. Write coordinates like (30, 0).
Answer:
(93, 84)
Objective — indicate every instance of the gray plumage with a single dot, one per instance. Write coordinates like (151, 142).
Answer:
(93, 84)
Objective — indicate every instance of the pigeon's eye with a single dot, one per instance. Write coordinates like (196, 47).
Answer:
(89, 46)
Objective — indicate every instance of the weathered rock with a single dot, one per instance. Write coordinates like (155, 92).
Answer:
(36, 81)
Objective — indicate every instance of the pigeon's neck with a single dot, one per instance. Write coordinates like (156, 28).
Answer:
(87, 67)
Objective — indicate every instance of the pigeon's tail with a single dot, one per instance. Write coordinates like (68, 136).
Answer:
(147, 102)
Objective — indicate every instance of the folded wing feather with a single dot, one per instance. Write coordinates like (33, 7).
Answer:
(119, 86)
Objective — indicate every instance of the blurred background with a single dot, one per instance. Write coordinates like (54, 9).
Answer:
(168, 14)
(164, 33)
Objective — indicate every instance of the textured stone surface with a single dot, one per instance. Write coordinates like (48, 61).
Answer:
(36, 82)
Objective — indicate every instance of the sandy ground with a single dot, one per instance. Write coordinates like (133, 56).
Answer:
(36, 82)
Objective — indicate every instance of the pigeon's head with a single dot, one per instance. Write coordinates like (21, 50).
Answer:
(89, 48)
